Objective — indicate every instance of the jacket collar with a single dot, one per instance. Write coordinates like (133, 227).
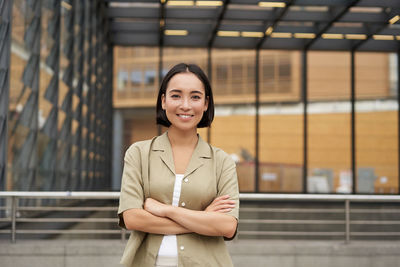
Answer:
(201, 152)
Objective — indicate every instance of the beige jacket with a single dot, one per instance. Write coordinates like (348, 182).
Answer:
(210, 173)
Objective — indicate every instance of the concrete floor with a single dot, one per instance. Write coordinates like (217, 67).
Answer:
(88, 253)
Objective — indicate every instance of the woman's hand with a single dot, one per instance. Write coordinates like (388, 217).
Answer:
(221, 204)
(155, 207)
(212, 221)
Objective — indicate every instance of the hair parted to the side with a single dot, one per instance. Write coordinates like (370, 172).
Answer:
(208, 115)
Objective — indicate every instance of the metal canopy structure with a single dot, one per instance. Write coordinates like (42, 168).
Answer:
(336, 25)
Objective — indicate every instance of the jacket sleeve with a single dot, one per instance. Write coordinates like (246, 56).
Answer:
(228, 184)
(132, 194)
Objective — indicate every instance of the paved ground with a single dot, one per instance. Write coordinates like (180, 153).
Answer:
(99, 253)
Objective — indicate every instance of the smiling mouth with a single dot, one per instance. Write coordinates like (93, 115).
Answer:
(184, 116)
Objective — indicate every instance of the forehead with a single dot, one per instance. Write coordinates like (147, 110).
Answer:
(185, 81)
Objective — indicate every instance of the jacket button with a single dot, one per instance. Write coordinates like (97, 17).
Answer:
(182, 247)
(183, 204)
(186, 180)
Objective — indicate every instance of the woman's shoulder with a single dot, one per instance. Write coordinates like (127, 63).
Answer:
(140, 145)
(220, 155)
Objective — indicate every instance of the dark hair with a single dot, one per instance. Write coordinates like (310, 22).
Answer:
(208, 115)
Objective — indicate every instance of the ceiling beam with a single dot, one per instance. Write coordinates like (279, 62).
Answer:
(372, 33)
(363, 3)
(273, 24)
(218, 23)
(329, 25)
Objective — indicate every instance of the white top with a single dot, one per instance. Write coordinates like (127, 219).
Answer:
(168, 244)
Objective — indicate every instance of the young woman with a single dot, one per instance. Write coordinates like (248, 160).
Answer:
(193, 199)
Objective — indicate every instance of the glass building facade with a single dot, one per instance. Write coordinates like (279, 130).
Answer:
(56, 96)
(282, 141)
(295, 121)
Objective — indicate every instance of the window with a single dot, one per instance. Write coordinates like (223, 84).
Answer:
(136, 79)
(122, 80)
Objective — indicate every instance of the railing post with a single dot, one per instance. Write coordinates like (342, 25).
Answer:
(13, 218)
(347, 215)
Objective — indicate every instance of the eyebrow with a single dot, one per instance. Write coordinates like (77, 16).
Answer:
(180, 91)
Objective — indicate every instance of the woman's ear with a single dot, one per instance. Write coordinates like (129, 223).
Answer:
(163, 101)
(206, 104)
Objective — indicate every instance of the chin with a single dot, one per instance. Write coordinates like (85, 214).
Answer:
(184, 127)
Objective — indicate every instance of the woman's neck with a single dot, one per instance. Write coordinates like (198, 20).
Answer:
(182, 138)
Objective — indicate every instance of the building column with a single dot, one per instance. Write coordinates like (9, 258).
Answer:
(209, 73)
(304, 91)
(353, 122)
(257, 117)
(117, 149)
(398, 119)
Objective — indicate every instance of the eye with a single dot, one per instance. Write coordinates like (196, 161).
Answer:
(175, 96)
(196, 97)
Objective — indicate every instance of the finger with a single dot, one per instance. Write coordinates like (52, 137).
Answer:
(221, 198)
(224, 203)
(224, 210)
(225, 207)
(227, 202)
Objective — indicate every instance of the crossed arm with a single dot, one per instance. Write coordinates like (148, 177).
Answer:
(159, 218)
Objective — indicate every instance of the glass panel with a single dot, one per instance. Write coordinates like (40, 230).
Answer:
(233, 129)
(23, 105)
(48, 93)
(122, 80)
(173, 56)
(78, 58)
(279, 76)
(237, 78)
(150, 79)
(139, 126)
(64, 169)
(136, 79)
(136, 76)
(281, 123)
(376, 124)
(329, 152)
(233, 76)
(46, 105)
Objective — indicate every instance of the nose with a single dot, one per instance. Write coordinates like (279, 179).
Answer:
(185, 103)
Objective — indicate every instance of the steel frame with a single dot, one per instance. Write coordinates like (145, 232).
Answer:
(76, 155)
(5, 50)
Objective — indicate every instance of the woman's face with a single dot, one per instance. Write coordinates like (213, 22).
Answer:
(184, 101)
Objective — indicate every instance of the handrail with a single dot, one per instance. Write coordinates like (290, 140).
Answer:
(14, 209)
(242, 196)
(62, 194)
(320, 197)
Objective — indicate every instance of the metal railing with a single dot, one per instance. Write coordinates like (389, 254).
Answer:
(362, 216)
(14, 214)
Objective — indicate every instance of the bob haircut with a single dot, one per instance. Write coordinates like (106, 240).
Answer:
(208, 115)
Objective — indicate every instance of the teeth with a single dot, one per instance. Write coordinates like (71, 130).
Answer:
(185, 116)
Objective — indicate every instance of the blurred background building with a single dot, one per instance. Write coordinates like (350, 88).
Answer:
(307, 101)
(306, 92)
(56, 105)
(281, 115)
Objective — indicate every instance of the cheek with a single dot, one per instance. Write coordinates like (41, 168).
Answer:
(198, 105)
(169, 105)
